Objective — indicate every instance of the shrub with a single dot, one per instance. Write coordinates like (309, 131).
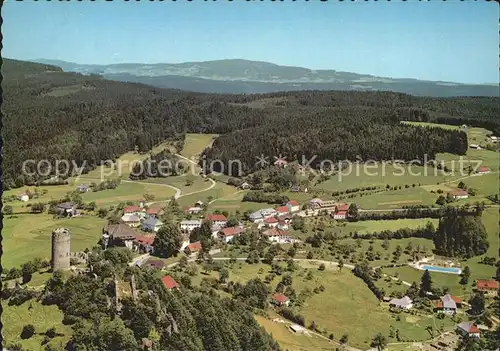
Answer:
(322, 267)
(28, 331)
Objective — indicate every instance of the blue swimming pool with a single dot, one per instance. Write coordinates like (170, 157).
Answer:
(443, 269)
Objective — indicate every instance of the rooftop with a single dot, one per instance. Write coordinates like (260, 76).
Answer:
(169, 282)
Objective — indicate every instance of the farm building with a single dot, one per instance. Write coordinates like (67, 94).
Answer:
(83, 188)
(271, 222)
(282, 210)
(169, 282)
(227, 234)
(155, 212)
(152, 224)
(293, 206)
(144, 244)
(489, 287)
(468, 329)
(135, 210)
(131, 220)
(279, 236)
(297, 329)
(483, 170)
(120, 234)
(459, 194)
(23, 197)
(448, 304)
(219, 219)
(280, 300)
(193, 248)
(189, 225)
(404, 303)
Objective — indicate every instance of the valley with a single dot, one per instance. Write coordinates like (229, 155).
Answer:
(338, 246)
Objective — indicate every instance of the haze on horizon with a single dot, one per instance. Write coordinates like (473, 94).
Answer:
(436, 41)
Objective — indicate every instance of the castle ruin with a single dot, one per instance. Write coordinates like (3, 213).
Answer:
(61, 249)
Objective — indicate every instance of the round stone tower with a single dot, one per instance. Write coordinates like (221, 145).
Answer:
(61, 249)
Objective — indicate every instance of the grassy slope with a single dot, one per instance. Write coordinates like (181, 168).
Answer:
(478, 271)
(346, 305)
(28, 236)
(42, 317)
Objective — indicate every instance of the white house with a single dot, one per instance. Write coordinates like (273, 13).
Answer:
(131, 220)
(493, 139)
(404, 303)
(268, 212)
(459, 194)
(271, 222)
(468, 329)
(227, 234)
(282, 225)
(23, 197)
(293, 206)
(276, 235)
(189, 225)
(244, 185)
(280, 300)
(135, 210)
(256, 217)
(483, 170)
(194, 210)
(340, 215)
(152, 224)
(448, 304)
(218, 219)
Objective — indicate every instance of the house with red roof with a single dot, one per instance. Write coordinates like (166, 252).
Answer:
(448, 304)
(169, 282)
(341, 207)
(193, 248)
(489, 287)
(217, 219)
(144, 244)
(483, 170)
(459, 194)
(282, 210)
(468, 329)
(155, 264)
(276, 235)
(339, 215)
(227, 234)
(135, 210)
(283, 225)
(280, 300)
(271, 222)
(155, 212)
(293, 206)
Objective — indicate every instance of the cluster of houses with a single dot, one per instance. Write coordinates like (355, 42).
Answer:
(147, 219)
(450, 305)
(338, 211)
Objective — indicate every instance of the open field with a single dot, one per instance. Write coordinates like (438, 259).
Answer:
(126, 191)
(194, 144)
(29, 236)
(363, 227)
(291, 341)
(42, 317)
(396, 199)
(346, 305)
(381, 174)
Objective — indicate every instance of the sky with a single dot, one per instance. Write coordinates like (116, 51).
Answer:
(448, 41)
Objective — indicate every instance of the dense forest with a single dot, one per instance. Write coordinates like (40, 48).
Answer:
(50, 114)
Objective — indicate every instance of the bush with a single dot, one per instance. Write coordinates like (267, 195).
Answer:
(51, 333)
(322, 267)
(28, 331)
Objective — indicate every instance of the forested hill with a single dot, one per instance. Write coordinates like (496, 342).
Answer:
(53, 114)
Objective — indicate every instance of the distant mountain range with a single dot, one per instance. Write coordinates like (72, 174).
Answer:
(243, 76)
